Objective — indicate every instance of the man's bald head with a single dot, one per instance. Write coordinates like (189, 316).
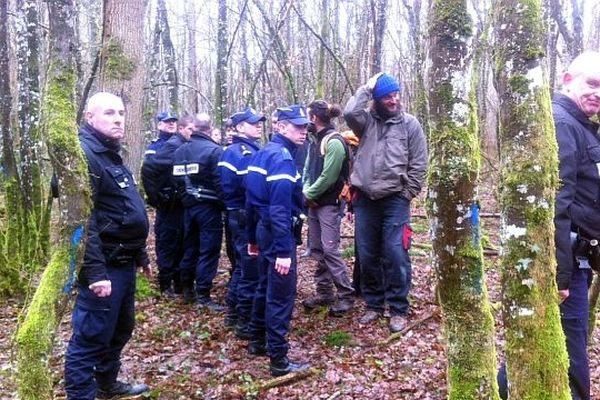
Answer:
(203, 123)
(581, 82)
(105, 112)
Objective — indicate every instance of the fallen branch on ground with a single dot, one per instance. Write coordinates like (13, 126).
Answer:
(281, 380)
(407, 328)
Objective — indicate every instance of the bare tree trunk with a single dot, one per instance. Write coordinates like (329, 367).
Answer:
(168, 55)
(220, 102)
(35, 335)
(379, 17)
(122, 69)
(536, 358)
(453, 173)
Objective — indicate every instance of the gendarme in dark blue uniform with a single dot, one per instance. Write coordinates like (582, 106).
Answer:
(274, 201)
(161, 194)
(117, 232)
(196, 178)
(233, 168)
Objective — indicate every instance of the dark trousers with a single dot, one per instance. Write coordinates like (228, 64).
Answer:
(574, 312)
(274, 298)
(203, 233)
(244, 281)
(386, 271)
(168, 231)
(101, 328)
(574, 320)
(324, 240)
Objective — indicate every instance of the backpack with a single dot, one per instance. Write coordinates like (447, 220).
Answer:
(349, 140)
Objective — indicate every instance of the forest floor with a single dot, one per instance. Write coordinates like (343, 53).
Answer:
(185, 353)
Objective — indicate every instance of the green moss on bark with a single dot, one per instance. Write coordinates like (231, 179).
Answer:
(117, 65)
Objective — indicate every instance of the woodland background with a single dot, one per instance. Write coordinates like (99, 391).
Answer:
(219, 56)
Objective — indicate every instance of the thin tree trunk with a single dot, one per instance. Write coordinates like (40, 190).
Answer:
(536, 358)
(36, 333)
(221, 74)
(453, 174)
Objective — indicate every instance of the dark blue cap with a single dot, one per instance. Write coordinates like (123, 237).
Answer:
(296, 114)
(248, 115)
(166, 116)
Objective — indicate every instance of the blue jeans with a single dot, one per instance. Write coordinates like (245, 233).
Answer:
(274, 298)
(202, 246)
(101, 328)
(386, 271)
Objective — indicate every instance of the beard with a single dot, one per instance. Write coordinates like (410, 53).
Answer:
(383, 112)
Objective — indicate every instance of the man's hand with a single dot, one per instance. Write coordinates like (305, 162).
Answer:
(563, 294)
(282, 265)
(252, 250)
(101, 288)
(310, 203)
(372, 81)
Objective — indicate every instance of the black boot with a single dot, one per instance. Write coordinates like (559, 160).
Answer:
(189, 295)
(121, 389)
(257, 348)
(231, 318)
(282, 366)
(207, 302)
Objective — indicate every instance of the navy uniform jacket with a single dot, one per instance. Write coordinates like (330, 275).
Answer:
(274, 193)
(159, 142)
(578, 199)
(118, 218)
(195, 171)
(156, 173)
(233, 168)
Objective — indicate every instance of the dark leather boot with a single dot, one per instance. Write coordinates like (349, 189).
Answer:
(257, 348)
(121, 389)
(282, 366)
(231, 318)
(317, 301)
(207, 302)
(341, 307)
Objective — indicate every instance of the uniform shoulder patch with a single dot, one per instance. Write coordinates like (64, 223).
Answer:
(286, 154)
(245, 151)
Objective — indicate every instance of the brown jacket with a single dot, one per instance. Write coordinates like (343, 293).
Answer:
(392, 154)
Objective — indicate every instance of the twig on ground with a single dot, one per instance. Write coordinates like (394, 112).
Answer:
(281, 380)
(407, 328)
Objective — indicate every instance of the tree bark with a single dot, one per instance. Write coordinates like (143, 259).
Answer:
(454, 209)
(221, 73)
(536, 358)
(122, 69)
(35, 334)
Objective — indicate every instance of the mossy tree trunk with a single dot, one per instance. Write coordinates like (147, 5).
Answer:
(453, 173)
(122, 69)
(35, 335)
(536, 358)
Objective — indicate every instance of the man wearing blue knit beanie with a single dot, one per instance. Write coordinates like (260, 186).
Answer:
(388, 172)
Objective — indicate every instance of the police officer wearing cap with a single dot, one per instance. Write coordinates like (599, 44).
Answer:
(197, 179)
(233, 168)
(166, 123)
(274, 202)
(161, 194)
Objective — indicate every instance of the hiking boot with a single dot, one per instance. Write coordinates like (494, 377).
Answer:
(340, 308)
(189, 296)
(257, 348)
(317, 301)
(120, 389)
(243, 332)
(398, 322)
(168, 294)
(207, 302)
(282, 366)
(369, 316)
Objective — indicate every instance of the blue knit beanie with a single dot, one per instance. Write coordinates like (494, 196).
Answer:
(385, 85)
